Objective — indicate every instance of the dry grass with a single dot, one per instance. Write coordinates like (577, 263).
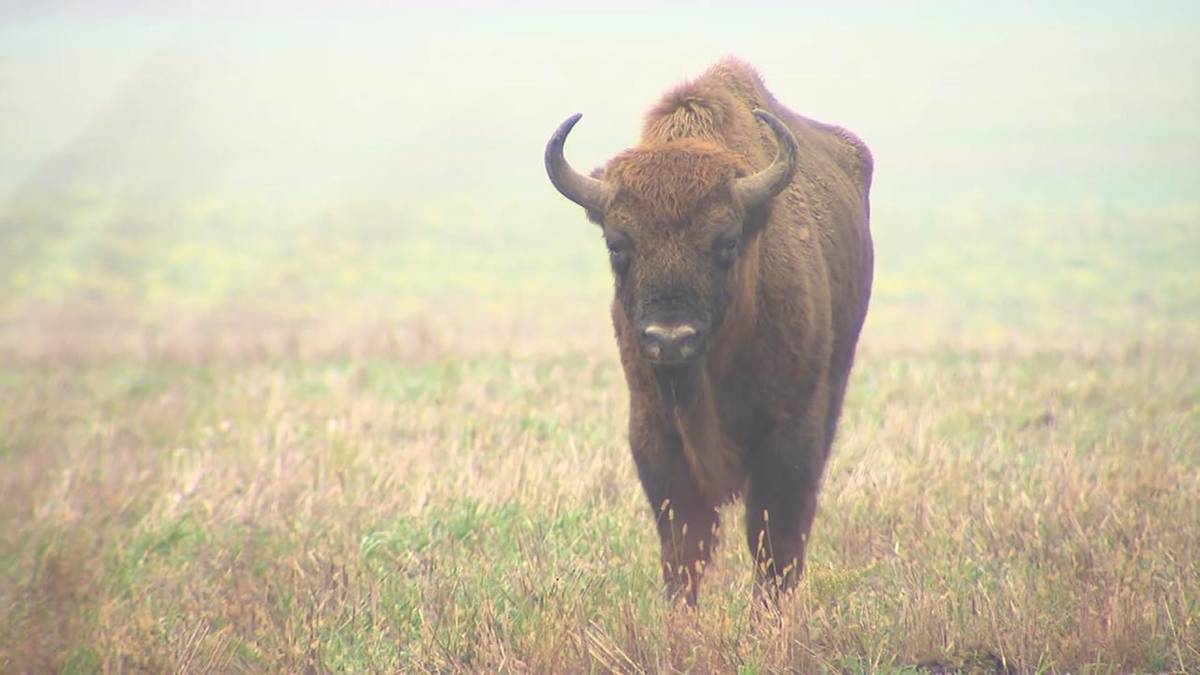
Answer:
(228, 447)
(984, 510)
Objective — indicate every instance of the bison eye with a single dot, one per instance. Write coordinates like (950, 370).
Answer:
(618, 255)
(726, 251)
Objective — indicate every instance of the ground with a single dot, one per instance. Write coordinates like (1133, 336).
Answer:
(393, 440)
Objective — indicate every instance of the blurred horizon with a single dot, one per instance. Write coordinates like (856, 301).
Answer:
(1074, 99)
(362, 162)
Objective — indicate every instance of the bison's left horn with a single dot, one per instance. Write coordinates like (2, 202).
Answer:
(583, 190)
(755, 190)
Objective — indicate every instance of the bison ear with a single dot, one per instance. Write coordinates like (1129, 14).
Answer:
(756, 215)
(756, 220)
(593, 215)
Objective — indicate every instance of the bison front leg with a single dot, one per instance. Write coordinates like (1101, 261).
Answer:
(781, 501)
(686, 522)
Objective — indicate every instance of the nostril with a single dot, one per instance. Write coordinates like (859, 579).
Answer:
(670, 343)
(668, 334)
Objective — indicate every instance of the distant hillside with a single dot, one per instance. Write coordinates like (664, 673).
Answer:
(1013, 103)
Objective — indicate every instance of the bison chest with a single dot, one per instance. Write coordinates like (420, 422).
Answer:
(716, 432)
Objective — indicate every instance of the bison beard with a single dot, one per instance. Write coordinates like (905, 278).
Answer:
(742, 264)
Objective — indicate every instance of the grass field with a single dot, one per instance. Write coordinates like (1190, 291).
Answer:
(392, 440)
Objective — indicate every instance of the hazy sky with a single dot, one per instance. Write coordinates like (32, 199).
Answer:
(1082, 98)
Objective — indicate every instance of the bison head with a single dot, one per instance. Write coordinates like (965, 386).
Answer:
(677, 217)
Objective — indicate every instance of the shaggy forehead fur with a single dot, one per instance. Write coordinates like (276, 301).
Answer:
(668, 180)
(685, 148)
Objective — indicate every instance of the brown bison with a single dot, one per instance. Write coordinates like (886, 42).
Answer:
(740, 248)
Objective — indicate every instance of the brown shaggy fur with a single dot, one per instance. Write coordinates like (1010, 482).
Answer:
(756, 415)
(696, 167)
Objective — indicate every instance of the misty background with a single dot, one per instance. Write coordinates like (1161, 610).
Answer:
(199, 169)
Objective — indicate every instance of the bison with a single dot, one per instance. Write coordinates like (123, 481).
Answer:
(741, 255)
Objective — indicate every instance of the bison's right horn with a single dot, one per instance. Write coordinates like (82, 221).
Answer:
(755, 190)
(583, 190)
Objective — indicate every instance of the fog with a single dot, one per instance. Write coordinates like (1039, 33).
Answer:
(208, 178)
(1014, 101)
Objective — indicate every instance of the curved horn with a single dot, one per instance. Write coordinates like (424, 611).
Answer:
(583, 190)
(755, 190)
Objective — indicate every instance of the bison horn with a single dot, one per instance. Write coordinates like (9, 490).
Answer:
(755, 190)
(583, 190)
